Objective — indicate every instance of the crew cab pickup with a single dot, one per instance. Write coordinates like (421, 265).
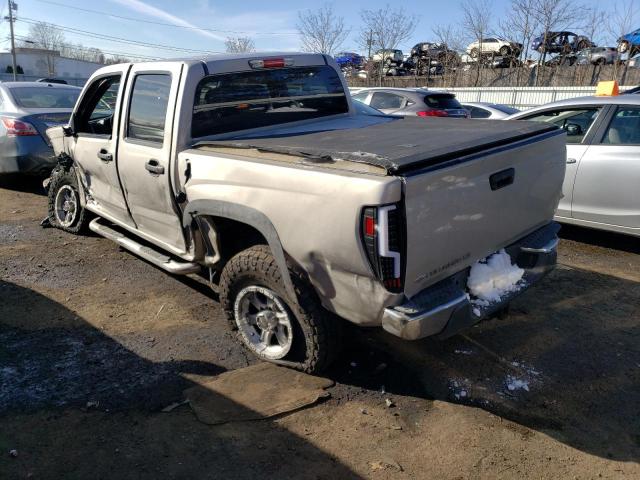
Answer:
(257, 172)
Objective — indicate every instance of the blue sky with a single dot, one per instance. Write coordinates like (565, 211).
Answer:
(272, 25)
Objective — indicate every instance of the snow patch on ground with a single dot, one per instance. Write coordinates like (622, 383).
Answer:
(490, 280)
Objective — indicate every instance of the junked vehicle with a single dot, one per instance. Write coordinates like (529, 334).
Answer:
(389, 56)
(629, 44)
(257, 171)
(412, 102)
(561, 42)
(603, 160)
(27, 109)
(597, 56)
(495, 46)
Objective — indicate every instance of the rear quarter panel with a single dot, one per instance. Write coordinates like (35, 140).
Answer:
(316, 213)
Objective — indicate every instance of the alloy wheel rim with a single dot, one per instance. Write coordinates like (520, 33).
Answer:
(66, 205)
(264, 322)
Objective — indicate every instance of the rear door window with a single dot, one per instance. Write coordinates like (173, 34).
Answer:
(575, 121)
(148, 109)
(239, 101)
(386, 101)
(624, 128)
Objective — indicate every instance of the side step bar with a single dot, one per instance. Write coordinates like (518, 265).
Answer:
(159, 259)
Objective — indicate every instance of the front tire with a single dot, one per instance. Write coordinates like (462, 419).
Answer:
(64, 208)
(505, 51)
(295, 332)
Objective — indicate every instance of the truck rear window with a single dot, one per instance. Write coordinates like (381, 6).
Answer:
(240, 101)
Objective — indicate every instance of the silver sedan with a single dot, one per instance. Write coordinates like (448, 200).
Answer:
(494, 111)
(411, 101)
(602, 181)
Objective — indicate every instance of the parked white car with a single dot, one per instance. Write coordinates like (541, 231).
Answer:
(495, 45)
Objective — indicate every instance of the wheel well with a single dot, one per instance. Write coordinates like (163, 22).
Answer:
(234, 237)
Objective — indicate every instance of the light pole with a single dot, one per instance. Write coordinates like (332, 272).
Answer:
(12, 6)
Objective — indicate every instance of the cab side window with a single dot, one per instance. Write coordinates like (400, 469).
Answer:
(148, 108)
(624, 128)
(575, 121)
(95, 114)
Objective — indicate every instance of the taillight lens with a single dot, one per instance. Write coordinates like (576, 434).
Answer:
(382, 235)
(433, 113)
(18, 128)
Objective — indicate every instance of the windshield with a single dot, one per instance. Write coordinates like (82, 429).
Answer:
(45, 97)
(244, 100)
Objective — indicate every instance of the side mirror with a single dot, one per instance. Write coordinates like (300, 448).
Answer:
(573, 129)
(67, 130)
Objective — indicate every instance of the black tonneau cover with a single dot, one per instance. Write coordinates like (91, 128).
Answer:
(398, 146)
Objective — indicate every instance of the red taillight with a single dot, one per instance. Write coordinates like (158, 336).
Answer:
(369, 226)
(382, 232)
(271, 63)
(433, 113)
(18, 128)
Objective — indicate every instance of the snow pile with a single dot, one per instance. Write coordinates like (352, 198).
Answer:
(493, 279)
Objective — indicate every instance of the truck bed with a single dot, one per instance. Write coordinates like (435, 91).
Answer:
(397, 146)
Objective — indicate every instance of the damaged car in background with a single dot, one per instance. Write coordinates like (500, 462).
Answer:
(258, 172)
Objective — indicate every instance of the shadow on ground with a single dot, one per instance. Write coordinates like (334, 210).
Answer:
(566, 361)
(601, 238)
(68, 395)
(22, 183)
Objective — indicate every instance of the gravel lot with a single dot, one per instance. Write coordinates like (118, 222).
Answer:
(95, 342)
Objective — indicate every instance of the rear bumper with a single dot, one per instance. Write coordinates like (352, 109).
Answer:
(27, 155)
(445, 309)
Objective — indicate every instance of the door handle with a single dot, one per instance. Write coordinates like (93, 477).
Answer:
(502, 179)
(104, 155)
(153, 166)
(571, 160)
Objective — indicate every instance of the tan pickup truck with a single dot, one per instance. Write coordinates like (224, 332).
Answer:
(306, 210)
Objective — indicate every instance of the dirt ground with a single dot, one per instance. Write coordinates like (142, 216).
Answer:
(94, 342)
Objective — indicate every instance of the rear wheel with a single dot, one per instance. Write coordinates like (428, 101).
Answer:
(474, 53)
(295, 332)
(623, 46)
(65, 209)
(505, 51)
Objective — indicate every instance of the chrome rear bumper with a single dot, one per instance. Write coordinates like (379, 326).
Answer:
(445, 309)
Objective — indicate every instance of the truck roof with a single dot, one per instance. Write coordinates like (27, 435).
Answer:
(308, 58)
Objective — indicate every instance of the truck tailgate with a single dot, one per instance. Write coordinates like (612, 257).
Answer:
(462, 210)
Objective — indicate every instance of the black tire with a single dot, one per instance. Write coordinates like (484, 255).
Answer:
(316, 332)
(65, 180)
(474, 53)
(505, 51)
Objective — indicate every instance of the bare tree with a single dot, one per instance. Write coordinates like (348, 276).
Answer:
(79, 52)
(239, 45)
(594, 24)
(622, 19)
(46, 37)
(520, 25)
(321, 30)
(553, 15)
(449, 36)
(476, 21)
(386, 29)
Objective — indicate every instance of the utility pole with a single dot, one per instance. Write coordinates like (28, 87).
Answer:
(12, 7)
